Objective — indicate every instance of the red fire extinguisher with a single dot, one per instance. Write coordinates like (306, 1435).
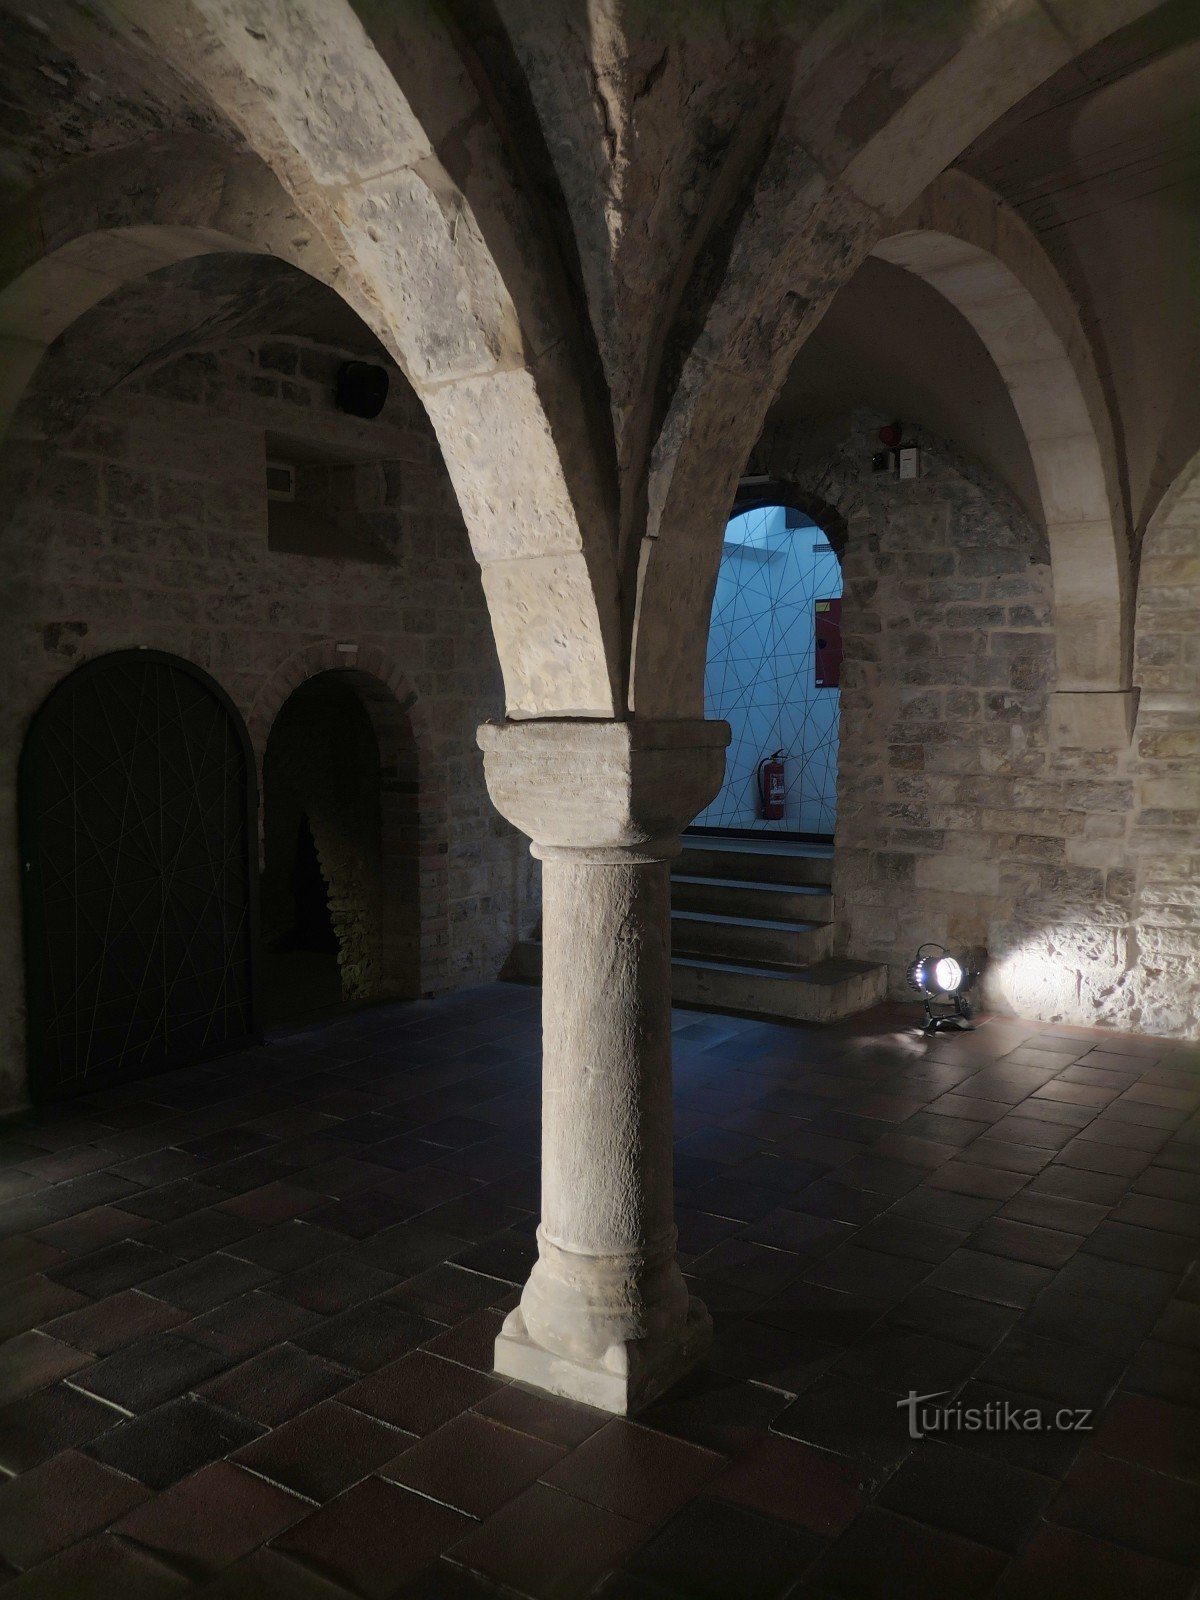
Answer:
(772, 787)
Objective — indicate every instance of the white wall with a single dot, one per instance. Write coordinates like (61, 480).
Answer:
(760, 672)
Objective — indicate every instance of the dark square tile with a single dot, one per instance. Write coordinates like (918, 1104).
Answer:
(1152, 1433)
(977, 1323)
(274, 1385)
(714, 1411)
(983, 1500)
(210, 1519)
(780, 1358)
(58, 1503)
(472, 1464)
(32, 1360)
(324, 1450)
(446, 1292)
(986, 1277)
(419, 1392)
(202, 1284)
(1061, 1564)
(850, 1419)
(97, 1569)
(250, 1323)
(782, 1478)
(901, 1360)
(144, 1374)
(333, 1284)
(39, 1425)
(368, 1335)
(173, 1440)
(106, 1325)
(374, 1536)
(1041, 1443)
(713, 1549)
(1130, 1505)
(1071, 1373)
(289, 1246)
(1020, 1241)
(119, 1266)
(549, 1417)
(886, 1556)
(634, 1471)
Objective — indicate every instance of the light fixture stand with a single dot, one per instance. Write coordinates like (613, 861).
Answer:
(952, 1018)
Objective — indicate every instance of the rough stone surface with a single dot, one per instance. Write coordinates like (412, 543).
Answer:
(962, 817)
(148, 525)
(605, 1316)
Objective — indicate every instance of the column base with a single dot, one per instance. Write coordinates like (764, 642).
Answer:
(628, 1377)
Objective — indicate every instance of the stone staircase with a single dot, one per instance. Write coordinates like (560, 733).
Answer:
(750, 932)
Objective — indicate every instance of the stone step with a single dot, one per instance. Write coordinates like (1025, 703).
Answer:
(749, 862)
(734, 897)
(759, 940)
(827, 991)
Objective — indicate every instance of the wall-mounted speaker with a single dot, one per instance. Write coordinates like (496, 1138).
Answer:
(361, 389)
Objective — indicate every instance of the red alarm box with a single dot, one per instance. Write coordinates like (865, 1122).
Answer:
(827, 630)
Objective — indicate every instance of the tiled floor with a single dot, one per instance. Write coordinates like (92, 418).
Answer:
(250, 1308)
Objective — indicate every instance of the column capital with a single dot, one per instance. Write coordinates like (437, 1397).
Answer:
(603, 791)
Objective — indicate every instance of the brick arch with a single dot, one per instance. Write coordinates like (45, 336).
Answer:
(414, 791)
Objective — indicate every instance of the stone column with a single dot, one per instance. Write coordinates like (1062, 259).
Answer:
(605, 1316)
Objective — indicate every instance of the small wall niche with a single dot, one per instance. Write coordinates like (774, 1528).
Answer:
(327, 503)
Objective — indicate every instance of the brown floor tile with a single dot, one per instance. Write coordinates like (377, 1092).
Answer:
(324, 1451)
(120, 1266)
(1131, 1506)
(471, 1342)
(212, 1518)
(144, 1374)
(850, 1419)
(719, 1413)
(210, 1281)
(983, 1500)
(792, 1482)
(634, 1472)
(419, 1392)
(548, 1417)
(173, 1441)
(1062, 1564)
(886, 1556)
(100, 1568)
(270, 1575)
(368, 1336)
(34, 1302)
(472, 1464)
(276, 1384)
(32, 1360)
(1152, 1433)
(548, 1545)
(713, 1549)
(103, 1326)
(39, 1425)
(251, 1323)
(58, 1503)
(374, 1536)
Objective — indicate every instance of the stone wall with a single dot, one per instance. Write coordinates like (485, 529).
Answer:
(960, 819)
(148, 526)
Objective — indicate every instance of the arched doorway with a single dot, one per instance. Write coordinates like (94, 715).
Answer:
(136, 826)
(773, 668)
(340, 889)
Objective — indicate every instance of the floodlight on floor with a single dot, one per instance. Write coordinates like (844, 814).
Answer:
(943, 977)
